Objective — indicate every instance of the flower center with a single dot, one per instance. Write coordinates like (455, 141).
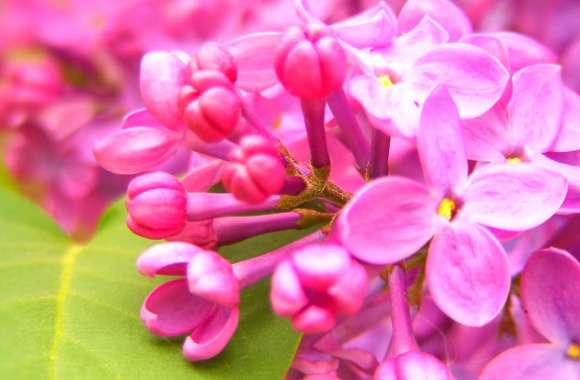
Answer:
(573, 351)
(385, 81)
(447, 208)
(513, 160)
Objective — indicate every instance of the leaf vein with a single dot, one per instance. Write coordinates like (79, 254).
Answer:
(68, 263)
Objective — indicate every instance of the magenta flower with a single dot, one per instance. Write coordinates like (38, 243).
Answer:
(403, 73)
(204, 304)
(540, 117)
(413, 365)
(444, 12)
(156, 205)
(257, 170)
(314, 286)
(149, 137)
(310, 63)
(549, 287)
(212, 107)
(392, 218)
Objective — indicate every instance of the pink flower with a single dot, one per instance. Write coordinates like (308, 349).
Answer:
(257, 170)
(213, 56)
(148, 137)
(402, 74)
(549, 287)
(392, 218)
(444, 12)
(310, 63)
(212, 106)
(156, 205)
(413, 365)
(204, 304)
(540, 117)
(318, 283)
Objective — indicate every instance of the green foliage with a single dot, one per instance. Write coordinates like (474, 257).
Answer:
(70, 311)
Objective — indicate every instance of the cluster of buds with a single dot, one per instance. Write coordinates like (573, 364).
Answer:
(447, 164)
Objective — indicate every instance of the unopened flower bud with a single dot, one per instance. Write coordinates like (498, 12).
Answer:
(215, 107)
(412, 365)
(256, 171)
(318, 283)
(310, 63)
(156, 203)
(213, 56)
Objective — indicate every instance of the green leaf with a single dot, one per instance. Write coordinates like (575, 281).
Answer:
(70, 311)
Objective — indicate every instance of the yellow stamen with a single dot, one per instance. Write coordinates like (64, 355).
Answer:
(446, 208)
(514, 160)
(573, 351)
(278, 122)
(385, 81)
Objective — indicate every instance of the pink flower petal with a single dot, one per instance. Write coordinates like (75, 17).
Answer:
(320, 265)
(524, 51)
(530, 362)
(314, 319)
(171, 310)
(513, 197)
(388, 220)
(413, 365)
(443, 11)
(393, 110)
(569, 138)
(486, 137)
(135, 150)
(287, 296)
(140, 118)
(405, 49)
(570, 170)
(211, 276)
(203, 176)
(350, 291)
(475, 79)
(550, 287)
(536, 105)
(468, 273)
(162, 75)
(254, 54)
(167, 259)
(440, 144)
(210, 338)
(490, 44)
(376, 26)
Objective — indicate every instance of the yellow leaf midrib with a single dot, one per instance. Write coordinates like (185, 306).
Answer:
(68, 263)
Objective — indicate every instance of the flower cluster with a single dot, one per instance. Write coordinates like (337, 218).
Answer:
(67, 77)
(436, 165)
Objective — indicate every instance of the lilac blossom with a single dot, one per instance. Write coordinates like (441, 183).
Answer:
(549, 284)
(430, 155)
(453, 210)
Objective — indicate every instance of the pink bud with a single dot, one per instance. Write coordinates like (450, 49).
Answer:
(162, 75)
(201, 233)
(310, 63)
(318, 283)
(214, 108)
(256, 171)
(413, 365)
(211, 277)
(213, 56)
(156, 203)
(135, 150)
